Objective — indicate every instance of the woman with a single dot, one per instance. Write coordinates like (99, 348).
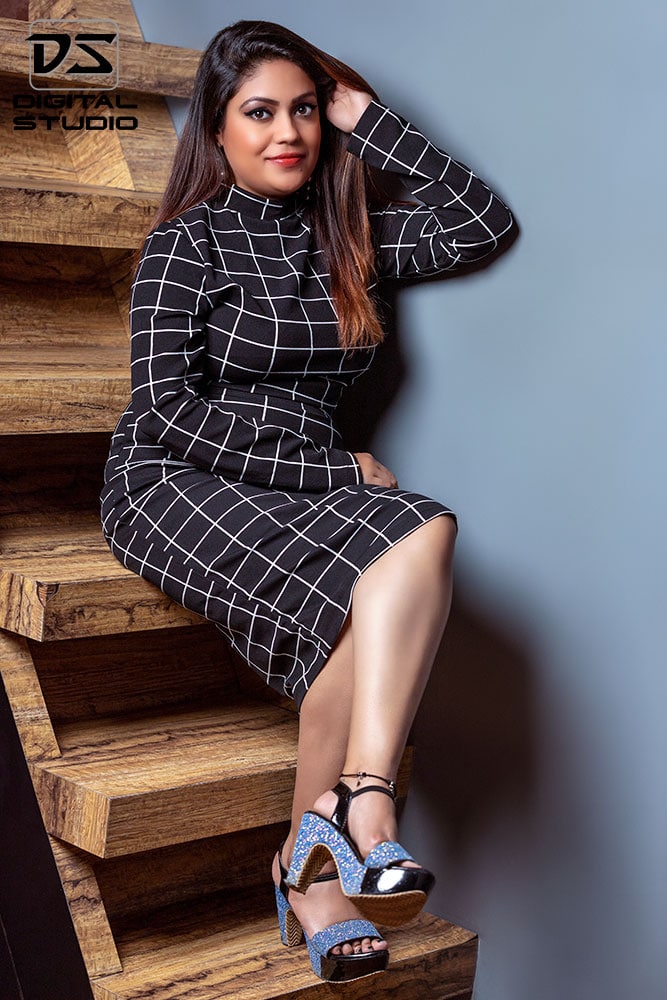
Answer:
(227, 483)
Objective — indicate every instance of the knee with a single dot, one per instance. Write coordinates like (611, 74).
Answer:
(437, 538)
(432, 545)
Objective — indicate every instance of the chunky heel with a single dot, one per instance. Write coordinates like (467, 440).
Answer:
(331, 968)
(379, 886)
(318, 842)
(291, 931)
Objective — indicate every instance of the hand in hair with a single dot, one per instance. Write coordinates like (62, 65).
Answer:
(374, 472)
(346, 107)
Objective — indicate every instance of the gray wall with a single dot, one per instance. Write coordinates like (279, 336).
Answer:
(533, 402)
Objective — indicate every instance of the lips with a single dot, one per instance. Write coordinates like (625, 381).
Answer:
(287, 159)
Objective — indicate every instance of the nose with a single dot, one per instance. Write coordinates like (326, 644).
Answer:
(286, 128)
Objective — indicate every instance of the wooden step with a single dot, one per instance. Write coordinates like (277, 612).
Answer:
(58, 580)
(227, 947)
(129, 784)
(95, 678)
(145, 67)
(50, 685)
(54, 389)
(62, 213)
(63, 300)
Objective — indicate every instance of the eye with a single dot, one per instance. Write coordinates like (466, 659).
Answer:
(304, 110)
(258, 114)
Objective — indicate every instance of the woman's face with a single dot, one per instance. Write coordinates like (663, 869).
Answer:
(271, 136)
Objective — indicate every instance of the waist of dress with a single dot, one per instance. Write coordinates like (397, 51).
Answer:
(273, 406)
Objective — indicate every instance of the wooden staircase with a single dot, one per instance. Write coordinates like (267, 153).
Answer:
(162, 768)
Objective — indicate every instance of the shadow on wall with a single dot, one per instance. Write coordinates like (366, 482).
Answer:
(476, 727)
(365, 403)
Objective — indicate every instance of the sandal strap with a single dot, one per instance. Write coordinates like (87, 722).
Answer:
(345, 930)
(372, 788)
(326, 877)
(344, 796)
(360, 775)
(386, 855)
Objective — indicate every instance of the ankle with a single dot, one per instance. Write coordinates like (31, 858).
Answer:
(363, 779)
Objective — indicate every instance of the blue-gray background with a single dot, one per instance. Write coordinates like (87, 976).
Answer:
(533, 402)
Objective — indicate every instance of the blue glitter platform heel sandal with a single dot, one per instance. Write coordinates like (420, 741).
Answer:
(331, 968)
(378, 885)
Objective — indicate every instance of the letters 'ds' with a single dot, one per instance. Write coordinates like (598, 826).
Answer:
(69, 46)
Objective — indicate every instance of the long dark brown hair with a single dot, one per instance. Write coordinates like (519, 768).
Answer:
(341, 183)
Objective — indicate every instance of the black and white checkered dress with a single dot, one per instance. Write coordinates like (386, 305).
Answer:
(227, 484)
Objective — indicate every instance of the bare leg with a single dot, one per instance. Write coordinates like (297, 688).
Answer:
(358, 712)
(399, 611)
(324, 725)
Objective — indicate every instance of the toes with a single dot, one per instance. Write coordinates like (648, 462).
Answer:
(359, 946)
(373, 944)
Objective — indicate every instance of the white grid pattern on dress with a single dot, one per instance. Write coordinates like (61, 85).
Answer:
(227, 482)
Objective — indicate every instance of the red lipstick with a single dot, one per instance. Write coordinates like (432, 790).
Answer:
(287, 159)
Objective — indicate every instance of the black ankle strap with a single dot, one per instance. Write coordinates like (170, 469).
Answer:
(373, 788)
(360, 775)
(344, 795)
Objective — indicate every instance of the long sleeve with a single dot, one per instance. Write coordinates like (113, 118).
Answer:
(459, 219)
(170, 306)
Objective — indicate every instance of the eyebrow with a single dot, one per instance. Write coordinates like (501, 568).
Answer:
(269, 100)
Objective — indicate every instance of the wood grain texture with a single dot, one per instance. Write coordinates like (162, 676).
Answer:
(17, 8)
(58, 580)
(149, 150)
(15, 54)
(97, 158)
(92, 679)
(136, 884)
(128, 158)
(228, 947)
(158, 69)
(120, 270)
(62, 300)
(87, 910)
(132, 783)
(24, 692)
(40, 153)
(53, 389)
(74, 214)
(118, 10)
(144, 67)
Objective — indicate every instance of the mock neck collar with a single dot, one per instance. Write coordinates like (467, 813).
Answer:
(255, 205)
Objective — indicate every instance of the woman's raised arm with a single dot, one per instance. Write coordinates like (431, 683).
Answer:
(458, 218)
